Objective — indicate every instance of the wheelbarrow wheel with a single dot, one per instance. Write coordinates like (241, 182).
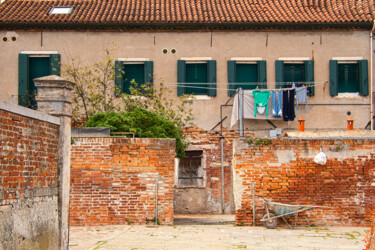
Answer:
(271, 223)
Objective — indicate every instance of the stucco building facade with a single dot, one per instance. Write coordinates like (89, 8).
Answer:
(325, 44)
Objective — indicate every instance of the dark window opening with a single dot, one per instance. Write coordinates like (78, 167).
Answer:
(297, 72)
(29, 68)
(294, 72)
(190, 172)
(196, 76)
(348, 78)
(133, 76)
(246, 74)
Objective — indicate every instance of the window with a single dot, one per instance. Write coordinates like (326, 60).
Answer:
(128, 72)
(196, 77)
(348, 77)
(295, 71)
(190, 171)
(61, 10)
(32, 65)
(246, 75)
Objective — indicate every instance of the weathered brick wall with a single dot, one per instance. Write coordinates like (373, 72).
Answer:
(285, 172)
(209, 143)
(113, 180)
(28, 179)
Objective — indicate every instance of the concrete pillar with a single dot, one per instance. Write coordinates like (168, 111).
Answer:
(54, 98)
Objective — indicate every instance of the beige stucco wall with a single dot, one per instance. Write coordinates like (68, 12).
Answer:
(220, 46)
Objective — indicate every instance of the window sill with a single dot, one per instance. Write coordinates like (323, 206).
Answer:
(347, 95)
(200, 97)
(138, 97)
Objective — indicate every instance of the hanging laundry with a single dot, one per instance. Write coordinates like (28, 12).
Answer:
(248, 108)
(261, 102)
(288, 105)
(277, 100)
(301, 96)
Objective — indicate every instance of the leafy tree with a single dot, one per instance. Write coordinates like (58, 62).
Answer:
(94, 100)
(158, 99)
(143, 123)
(94, 89)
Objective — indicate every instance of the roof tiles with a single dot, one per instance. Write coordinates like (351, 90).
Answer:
(190, 11)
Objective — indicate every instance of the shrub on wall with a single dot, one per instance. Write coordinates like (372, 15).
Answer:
(144, 123)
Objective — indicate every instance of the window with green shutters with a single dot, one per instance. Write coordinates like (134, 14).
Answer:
(31, 66)
(133, 74)
(246, 75)
(348, 77)
(197, 78)
(295, 72)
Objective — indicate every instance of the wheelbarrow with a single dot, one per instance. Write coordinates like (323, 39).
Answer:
(281, 210)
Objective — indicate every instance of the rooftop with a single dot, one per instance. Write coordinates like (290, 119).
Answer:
(203, 13)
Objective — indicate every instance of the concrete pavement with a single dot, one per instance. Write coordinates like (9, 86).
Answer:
(224, 236)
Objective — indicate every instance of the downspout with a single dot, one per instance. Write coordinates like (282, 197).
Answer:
(222, 175)
(371, 76)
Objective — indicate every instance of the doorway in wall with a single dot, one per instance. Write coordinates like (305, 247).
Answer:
(197, 194)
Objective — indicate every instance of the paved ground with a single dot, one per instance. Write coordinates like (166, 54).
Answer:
(210, 236)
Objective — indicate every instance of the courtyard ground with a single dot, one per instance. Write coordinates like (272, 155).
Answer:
(215, 233)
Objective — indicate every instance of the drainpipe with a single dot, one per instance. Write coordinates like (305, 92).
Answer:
(371, 76)
(222, 173)
(240, 110)
(156, 199)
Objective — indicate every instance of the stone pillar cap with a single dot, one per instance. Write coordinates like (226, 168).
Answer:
(53, 81)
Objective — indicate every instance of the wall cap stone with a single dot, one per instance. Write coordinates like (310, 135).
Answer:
(330, 138)
(19, 110)
(53, 81)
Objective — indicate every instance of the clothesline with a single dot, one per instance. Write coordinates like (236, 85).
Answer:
(253, 104)
(193, 85)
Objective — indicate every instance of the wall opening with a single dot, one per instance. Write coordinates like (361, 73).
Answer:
(190, 170)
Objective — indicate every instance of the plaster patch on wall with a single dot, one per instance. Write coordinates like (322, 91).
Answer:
(285, 156)
(239, 145)
(339, 155)
(349, 154)
(200, 147)
(238, 189)
(272, 164)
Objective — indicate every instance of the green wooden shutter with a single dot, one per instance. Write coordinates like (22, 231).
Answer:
(262, 74)
(54, 62)
(211, 77)
(119, 77)
(149, 69)
(333, 78)
(23, 79)
(231, 77)
(181, 77)
(279, 73)
(363, 77)
(309, 76)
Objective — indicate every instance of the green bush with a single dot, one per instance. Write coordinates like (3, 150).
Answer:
(144, 123)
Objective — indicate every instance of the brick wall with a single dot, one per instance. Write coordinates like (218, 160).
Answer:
(285, 172)
(209, 143)
(113, 180)
(28, 179)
